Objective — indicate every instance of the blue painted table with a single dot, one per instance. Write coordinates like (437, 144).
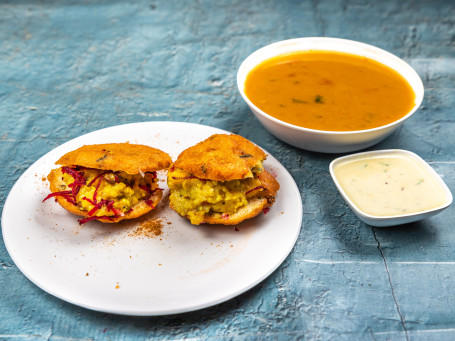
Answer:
(69, 68)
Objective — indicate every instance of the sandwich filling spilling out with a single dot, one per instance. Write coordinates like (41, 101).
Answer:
(103, 195)
(195, 198)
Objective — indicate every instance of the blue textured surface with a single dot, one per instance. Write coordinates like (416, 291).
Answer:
(72, 67)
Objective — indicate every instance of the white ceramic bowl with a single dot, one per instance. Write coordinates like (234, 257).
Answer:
(320, 140)
(391, 220)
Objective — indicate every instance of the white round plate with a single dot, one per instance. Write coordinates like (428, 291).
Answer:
(110, 268)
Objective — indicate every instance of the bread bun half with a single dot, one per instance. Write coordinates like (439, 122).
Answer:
(109, 182)
(221, 180)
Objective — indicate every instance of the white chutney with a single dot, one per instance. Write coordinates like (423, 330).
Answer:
(390, 184)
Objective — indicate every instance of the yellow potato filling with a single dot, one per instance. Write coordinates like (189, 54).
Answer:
(194, 198)
(122, 190)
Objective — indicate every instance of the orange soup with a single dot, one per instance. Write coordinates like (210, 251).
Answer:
(329, 91)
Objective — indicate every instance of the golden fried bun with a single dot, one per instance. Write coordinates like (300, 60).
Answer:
(126, 157)
(108, 194)
(228, 185)
(221, 158)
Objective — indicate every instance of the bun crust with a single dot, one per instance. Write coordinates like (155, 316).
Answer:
(221, 158)
(129, 158)
(254, 208)
(224, 158)
(270, 184)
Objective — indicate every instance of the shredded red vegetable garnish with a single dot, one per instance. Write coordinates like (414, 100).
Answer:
(90, 201)
(79, 180)
(109, 205)
(150, 192)
(145, 188)
(74, 173)
(96, 189)
(65, 194)
(255, 188)
(75, 186)
(84, 220)
(150, 203)
(97, 177)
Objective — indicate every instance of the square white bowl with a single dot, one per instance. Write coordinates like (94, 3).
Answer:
(391, 220)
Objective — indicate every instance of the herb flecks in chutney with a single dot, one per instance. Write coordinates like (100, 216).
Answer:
(406, 187)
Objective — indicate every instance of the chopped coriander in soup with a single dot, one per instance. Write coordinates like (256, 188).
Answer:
(329, 91)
